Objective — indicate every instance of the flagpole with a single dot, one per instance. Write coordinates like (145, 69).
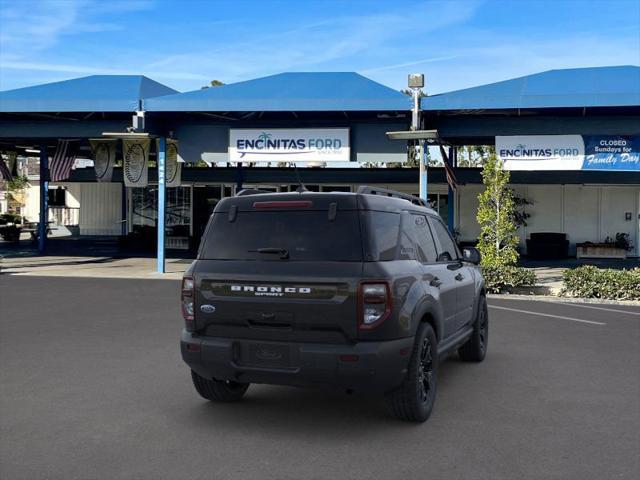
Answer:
(44, 199)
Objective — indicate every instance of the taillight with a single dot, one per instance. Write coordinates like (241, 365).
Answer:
(374, 304)
(187, 302)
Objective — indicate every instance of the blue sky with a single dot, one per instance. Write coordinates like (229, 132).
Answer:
(184, 44)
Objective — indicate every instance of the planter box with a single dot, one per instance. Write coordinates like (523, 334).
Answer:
(599, 251)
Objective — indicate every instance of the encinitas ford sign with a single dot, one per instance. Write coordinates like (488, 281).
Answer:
(541, 152)
(569, 152)
(289, 145)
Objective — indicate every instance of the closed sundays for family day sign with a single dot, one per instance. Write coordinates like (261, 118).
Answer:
(289, 145)
(569, 152)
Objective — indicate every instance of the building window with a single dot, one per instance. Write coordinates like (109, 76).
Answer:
(144, 213)
(57, 197)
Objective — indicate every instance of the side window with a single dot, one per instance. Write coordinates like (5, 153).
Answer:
(407, 243)
(383, 234)
(447, 250)
(423, 239)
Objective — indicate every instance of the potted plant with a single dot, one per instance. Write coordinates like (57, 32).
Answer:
(617, 247)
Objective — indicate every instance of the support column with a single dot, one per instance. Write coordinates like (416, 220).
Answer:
(453, 158)
(423, 157)
(239, 177)
(44, 199)
(162, 150)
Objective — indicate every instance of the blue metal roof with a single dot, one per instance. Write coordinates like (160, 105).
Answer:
(96, 93)
(298, 92)
(577, 87)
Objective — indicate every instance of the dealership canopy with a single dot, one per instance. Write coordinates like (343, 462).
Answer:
(568, 88)
(293, 92)
(96, 93)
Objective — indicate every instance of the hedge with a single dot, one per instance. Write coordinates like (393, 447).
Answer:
(499, 278)
(591, 282)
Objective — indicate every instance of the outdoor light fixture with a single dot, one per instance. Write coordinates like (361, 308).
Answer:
(133, 135)
(430, 136)
(416, 80)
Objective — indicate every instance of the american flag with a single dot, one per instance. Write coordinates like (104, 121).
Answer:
(451, 175)
(4, 170)
(62, 161)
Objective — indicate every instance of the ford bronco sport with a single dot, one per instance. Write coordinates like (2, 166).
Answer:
(364, 291)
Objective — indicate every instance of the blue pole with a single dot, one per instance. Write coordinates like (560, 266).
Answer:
(162, 148)
(44, 199)
(423, 170)
(453, 158)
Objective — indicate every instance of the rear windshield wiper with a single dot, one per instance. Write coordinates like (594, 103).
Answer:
(283, 252)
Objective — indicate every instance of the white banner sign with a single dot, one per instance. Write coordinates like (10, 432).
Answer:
(104, 157)
(136, 162)
(173, 167)
(541, 152)
(289, 145)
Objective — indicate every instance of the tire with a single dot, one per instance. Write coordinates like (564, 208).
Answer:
(218, 390)
(413, 401)
(476, 347)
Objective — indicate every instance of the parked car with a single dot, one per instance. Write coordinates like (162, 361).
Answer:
(364, 291)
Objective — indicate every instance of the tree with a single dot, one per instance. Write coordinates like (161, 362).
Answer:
(474, 155)
(213, 83)
(496, 211)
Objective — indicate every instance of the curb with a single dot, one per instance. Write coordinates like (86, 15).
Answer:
(556, 299)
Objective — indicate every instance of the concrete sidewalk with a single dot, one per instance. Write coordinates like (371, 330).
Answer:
(95, 267)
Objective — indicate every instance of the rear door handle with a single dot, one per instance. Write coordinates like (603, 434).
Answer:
(435, 282)
(459, 277)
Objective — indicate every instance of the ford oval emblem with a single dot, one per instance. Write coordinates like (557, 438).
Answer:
(207, 308)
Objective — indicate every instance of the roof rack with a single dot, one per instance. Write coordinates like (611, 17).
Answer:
(366, 189)
(250, 191)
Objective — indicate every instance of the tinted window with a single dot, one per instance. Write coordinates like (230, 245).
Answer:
(447, 249)
(305, 235)
(424, 239)
(383, 229)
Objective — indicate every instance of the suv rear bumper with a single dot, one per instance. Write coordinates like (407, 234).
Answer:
(364, 366)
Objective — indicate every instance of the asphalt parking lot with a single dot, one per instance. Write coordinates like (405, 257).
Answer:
(92, 387)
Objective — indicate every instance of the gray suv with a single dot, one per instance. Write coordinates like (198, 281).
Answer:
(363, 291)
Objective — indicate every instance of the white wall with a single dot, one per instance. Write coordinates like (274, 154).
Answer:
(100, 208)
(583, 212)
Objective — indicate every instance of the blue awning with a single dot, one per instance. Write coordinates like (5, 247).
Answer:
(288, 92)
(96, 93)
(577, 87)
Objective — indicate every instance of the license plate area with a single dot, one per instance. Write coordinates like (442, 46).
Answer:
(267, 355)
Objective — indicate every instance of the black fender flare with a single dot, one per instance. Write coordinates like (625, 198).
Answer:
(429, 308)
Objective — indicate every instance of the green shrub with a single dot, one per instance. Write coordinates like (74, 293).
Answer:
(500, 277)
(592, 282)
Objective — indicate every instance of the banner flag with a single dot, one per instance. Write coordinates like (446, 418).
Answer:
(173, 167)
(135, 153)
(104, 157)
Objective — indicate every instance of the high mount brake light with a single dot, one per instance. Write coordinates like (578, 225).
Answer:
(284, 204)
(374, 304)
(187, 302)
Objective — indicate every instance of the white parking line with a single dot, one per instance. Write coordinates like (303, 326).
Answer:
(597, 308)
(547, 315)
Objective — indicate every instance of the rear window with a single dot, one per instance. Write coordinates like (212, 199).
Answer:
(305, 235)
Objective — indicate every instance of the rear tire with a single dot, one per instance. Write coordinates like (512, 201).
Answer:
(413, 401)
(476, 347)
(218, 390)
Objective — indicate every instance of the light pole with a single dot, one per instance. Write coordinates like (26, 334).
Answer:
(416, 83)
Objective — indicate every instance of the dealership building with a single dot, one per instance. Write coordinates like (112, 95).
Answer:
(571, 139)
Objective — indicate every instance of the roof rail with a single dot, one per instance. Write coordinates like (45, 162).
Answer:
(250, 191)
(368, 190)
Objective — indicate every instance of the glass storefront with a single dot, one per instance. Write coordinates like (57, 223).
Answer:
(144, 214)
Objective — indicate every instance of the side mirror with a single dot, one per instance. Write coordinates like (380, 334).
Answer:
(471, 255)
